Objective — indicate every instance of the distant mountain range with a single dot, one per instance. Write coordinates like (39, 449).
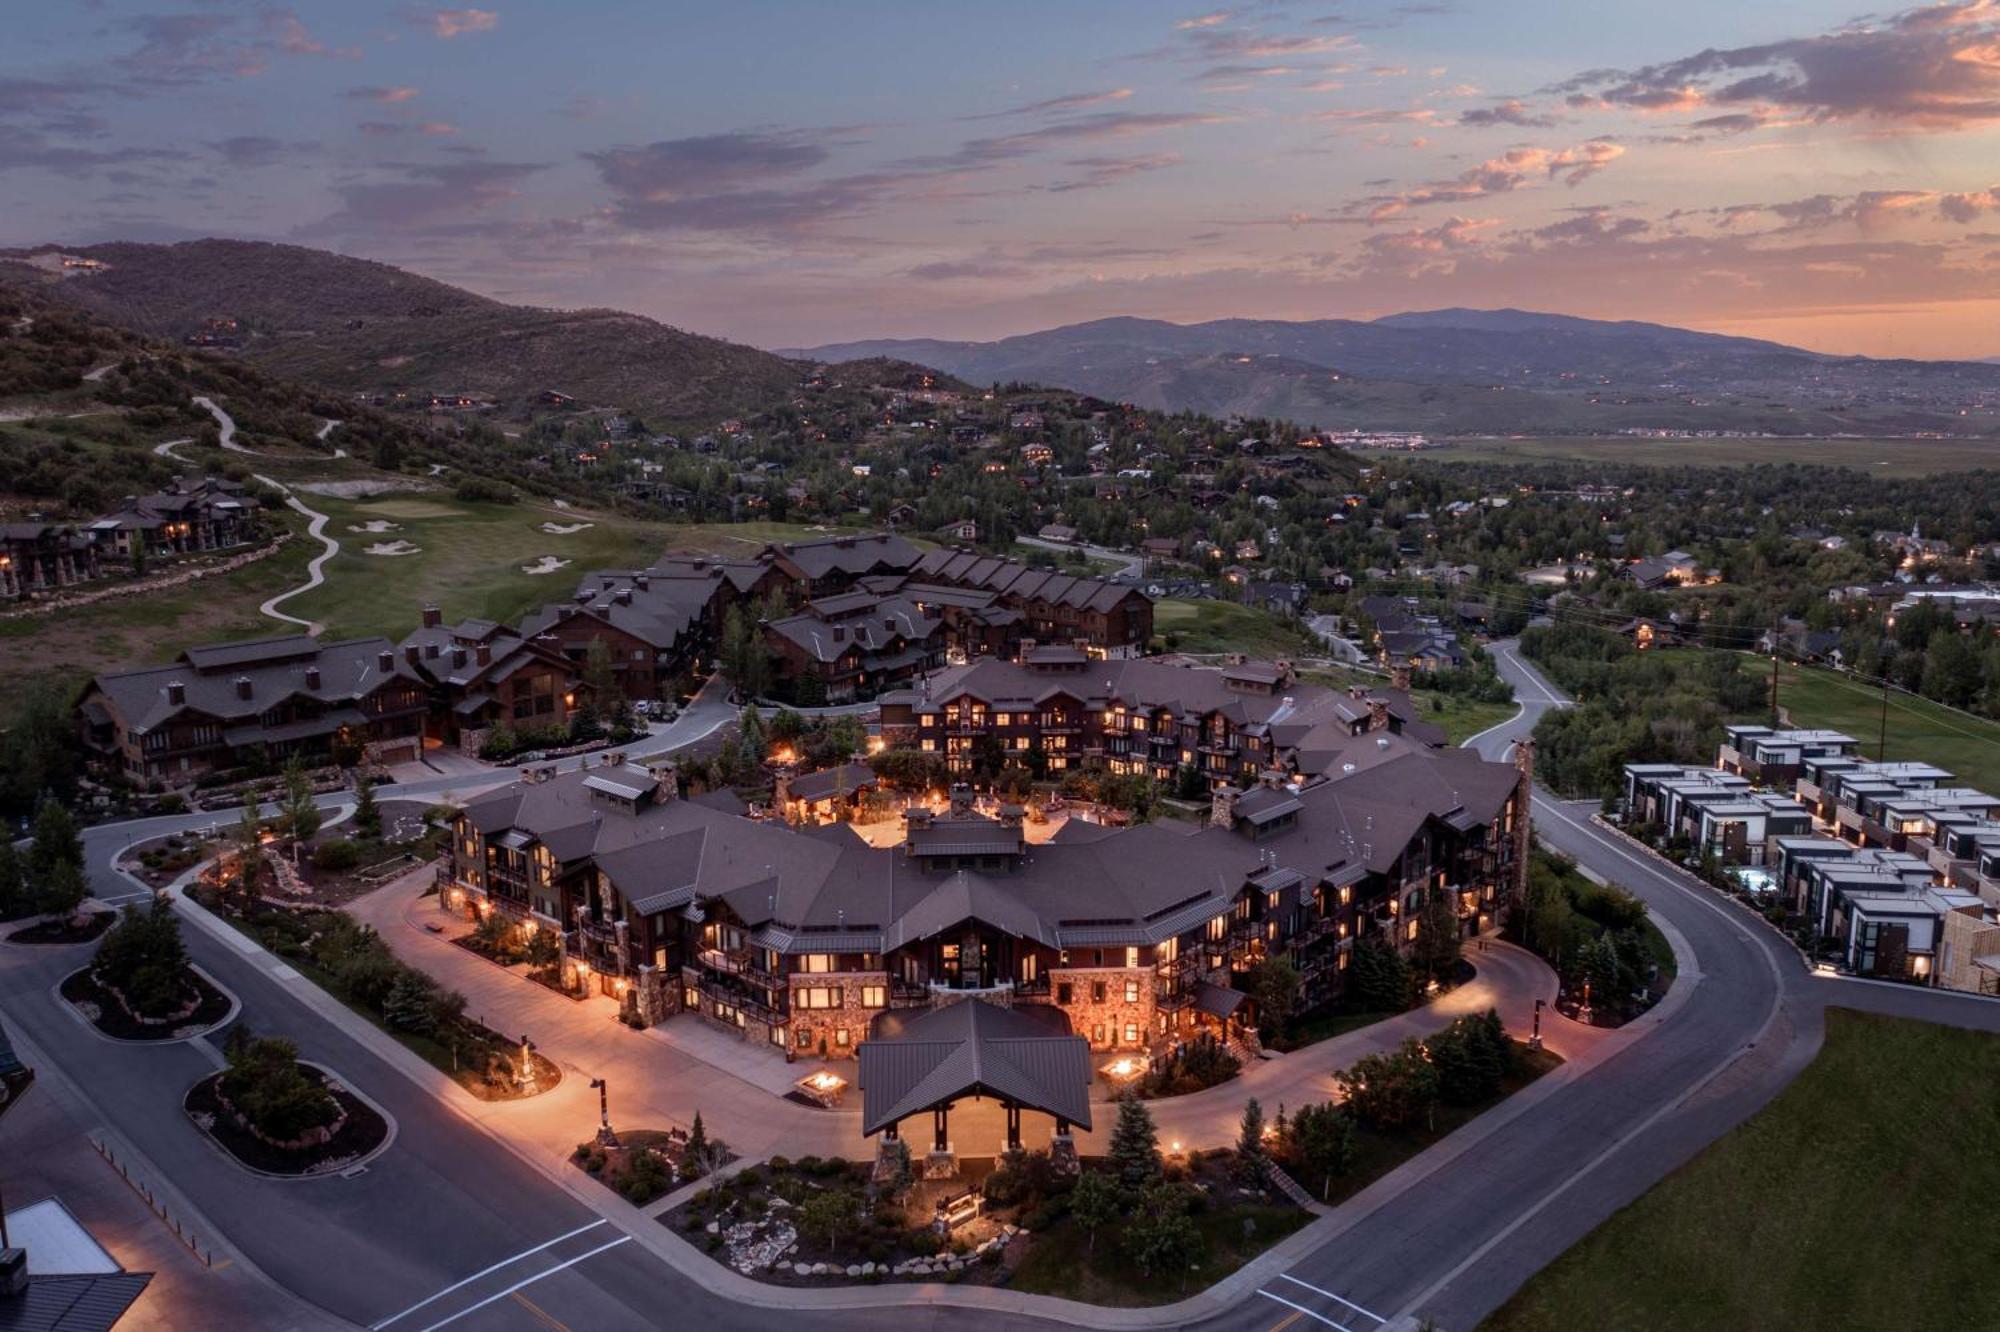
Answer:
(353, 325)
(1473, 371)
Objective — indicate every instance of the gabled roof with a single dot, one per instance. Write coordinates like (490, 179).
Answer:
(972, 1048)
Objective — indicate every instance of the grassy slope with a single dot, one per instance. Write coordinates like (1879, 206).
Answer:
(472, 557)
(1878, 457)
(127, 632)
(1846, 1203)
(1918, 728)
(1224, 626)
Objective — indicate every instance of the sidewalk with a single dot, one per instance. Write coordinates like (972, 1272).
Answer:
(663, 1075)
(543, 1130)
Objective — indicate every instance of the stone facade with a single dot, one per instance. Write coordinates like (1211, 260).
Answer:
(850, 1015)
(1113, 1021)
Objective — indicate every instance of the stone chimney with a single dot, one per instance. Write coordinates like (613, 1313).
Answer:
(386, 660)
(641, 581)
(623, 596)
(1399, 676)
(177, 692)
(1378, 714)
(1524, 799)
(483, 654)
(781, 792)
(243, 686)
(666, 782)
(961, 800)
(412, 654)
(433, 617)
(312, 677)
(1222, 806)
(458, 656)
(432, 652)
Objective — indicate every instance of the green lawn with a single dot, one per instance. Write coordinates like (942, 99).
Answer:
(72, 645)
(1225, 626)
(1918, 729)
(1856, 1199)
(1879, 457)
(1462, 718)
(472, 559)
(1065, 1262)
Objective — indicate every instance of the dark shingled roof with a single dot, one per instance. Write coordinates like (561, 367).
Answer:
(829, 782)
(91, 1303)
(972, 1048)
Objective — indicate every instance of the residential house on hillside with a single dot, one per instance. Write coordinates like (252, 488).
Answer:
(482, 676)
(225, 706)
(42, 557)
(851, 645)
(188, 518)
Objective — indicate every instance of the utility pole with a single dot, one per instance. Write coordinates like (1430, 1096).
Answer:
(1882, 734)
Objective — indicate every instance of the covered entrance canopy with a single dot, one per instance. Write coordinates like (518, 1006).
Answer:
(1023, 1058)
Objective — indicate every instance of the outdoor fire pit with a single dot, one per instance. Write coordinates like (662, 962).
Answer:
(823, 1087)
(1126, 1068)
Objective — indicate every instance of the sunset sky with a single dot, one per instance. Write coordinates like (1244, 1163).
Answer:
(795, 173)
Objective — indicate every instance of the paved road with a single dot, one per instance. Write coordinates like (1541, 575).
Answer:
(1132, 567)
(448, 1224)
(1747, 1017)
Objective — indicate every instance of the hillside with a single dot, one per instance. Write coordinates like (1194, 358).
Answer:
(355, 326)
(1571, 375)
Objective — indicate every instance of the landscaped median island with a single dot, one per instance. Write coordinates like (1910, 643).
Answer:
(1141, 1226)
(280, 1116)
(140, 986)
(1844, 1203)
(349, 961)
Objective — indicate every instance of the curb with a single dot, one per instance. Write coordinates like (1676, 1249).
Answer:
(391, 1127)
(234, 1011)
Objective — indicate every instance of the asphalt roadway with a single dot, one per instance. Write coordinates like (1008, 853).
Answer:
(448, 1228)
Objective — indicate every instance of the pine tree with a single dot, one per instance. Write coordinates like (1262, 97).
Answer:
(56, 841)
(1135, 1145)
(367, 814)
(1252, 1157)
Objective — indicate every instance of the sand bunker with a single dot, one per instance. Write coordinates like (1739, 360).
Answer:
(564, 529)
(376, 526)
(392, 548)
(548, 564)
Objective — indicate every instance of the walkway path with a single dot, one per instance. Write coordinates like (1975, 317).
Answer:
(315, 571)
(327, 424)
(165, 449)
(667, 1073)
(226, 424)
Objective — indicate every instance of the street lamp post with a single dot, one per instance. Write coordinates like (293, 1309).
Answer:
(527, 1078)
(605, 1137)
(1535, 1038)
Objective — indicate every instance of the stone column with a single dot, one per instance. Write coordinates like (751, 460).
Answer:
(1062, 1149)
(1524, 800)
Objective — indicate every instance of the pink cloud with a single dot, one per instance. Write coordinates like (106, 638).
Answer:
(448, 23)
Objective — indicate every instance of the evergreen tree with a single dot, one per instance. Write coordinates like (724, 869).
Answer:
(367, 814)
(1275, 985)
(1253, 1158)
(1135, 1145)
(1378, 977)
(56, 841)
(14, 900)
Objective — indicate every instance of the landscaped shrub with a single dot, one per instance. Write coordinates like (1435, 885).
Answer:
(272, 1092)
(336, 856)
(1200, 1063)
(1393, 1090)
(142, 956)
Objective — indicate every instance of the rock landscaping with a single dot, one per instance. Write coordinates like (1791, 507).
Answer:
(281, 1117)
(140, 987)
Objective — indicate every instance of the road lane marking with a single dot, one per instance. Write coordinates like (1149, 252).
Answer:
(1301, 1309)
(540, 1314)
(1285, 1322)
(1342, 1299)
(529, 1281)
(483, 1272)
